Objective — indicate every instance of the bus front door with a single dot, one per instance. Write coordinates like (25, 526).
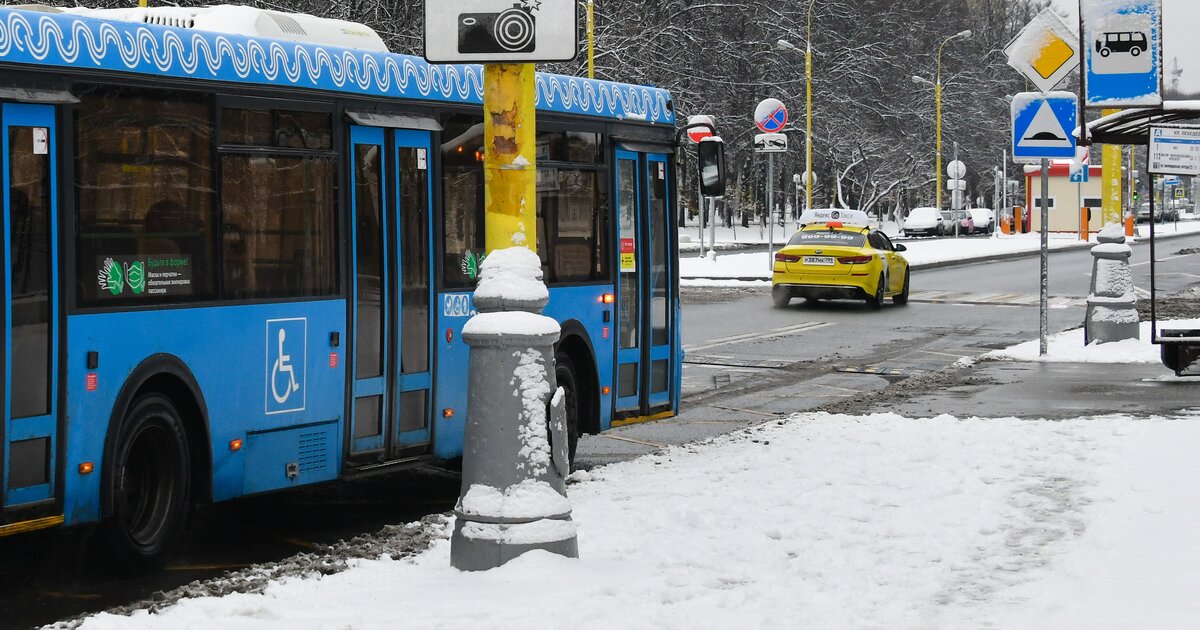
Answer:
(646, 316)
(30, 429)
(392, 342)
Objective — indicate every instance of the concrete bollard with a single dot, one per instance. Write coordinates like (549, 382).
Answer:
(1112, 305)
(513, 497)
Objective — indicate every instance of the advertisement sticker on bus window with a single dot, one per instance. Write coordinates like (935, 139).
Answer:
(628, 255)
(144, 276)
(41, 141)
(662, 170)
(547, 179)
(421, 163)
(287, 341)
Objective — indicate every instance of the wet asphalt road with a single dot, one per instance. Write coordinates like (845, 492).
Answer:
(746, 362)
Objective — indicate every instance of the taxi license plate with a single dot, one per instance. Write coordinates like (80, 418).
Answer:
(818, 260)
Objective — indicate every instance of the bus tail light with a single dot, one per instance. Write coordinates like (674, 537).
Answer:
(86, 468)
(605, 390)
(609, 298)
(855, 260)
(448, 412)
(786, 258)
(235, 445)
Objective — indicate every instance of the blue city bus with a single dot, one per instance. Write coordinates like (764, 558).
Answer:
(235, 264)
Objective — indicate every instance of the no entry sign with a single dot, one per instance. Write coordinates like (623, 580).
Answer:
(696, 134)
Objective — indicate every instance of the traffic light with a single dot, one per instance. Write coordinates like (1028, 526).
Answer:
(1136, 195)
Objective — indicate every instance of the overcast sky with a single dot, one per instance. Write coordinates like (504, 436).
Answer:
(1181, 50)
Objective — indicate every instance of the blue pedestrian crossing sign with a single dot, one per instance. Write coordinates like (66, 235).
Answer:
(1043, 126)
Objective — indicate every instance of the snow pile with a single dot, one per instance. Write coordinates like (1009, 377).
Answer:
(514, 273)
(818, 522)
(529, 499)
(529, 379)
(1067, 347)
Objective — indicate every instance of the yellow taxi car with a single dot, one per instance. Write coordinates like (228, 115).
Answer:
(838, 260)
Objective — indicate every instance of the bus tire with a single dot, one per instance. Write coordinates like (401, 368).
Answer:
(150, 486)
(564, 375)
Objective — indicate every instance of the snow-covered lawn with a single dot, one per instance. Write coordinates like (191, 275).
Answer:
(819, 521)
(920, 252)
(1067, 347)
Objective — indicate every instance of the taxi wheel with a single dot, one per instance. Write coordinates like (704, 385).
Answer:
(877, 301)
(902, 298)
(781, 296)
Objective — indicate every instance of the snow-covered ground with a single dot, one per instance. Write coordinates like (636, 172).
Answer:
(700, 271)
(1067, 347)
(817, 521)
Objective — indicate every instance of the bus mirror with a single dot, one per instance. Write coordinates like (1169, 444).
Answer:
(712, 167)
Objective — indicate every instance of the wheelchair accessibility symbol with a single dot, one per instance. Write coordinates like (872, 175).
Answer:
(287, 340)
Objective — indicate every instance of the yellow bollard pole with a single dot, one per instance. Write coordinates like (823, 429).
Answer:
(1110, 174)
(510, 173)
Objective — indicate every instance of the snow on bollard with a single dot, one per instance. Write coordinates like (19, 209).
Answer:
(1112, 305)
(513, 497)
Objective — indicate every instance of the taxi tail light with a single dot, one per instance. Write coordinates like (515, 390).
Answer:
(786, 258)
(855, 260)
(834, 224)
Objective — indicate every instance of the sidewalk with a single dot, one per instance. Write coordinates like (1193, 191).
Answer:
(753, 269)
(843, 521)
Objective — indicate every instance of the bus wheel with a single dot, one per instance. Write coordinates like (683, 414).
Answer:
(149, 485)
(564, 375)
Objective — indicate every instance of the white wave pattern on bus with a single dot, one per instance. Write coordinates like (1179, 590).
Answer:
(141, 48)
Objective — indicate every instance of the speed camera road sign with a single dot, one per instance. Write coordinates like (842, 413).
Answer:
(501, 31)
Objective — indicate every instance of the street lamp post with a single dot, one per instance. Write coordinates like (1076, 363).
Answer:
(786, 45)
(937, 97)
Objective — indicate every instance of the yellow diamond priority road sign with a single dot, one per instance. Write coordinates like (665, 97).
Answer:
(1045, 51)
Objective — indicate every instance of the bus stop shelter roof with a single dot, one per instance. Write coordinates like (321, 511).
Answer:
(1132, 126)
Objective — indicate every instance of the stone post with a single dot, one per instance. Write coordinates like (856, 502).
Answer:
(1112, 305)
(513, 496)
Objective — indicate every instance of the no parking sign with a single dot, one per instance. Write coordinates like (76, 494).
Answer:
(771, 116)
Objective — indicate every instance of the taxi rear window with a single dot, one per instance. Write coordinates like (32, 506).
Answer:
(825, 237)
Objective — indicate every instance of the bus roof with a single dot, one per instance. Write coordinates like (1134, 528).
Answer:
(46, 37)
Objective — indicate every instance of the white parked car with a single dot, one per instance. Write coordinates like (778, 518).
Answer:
(985, 219)
(925, 222)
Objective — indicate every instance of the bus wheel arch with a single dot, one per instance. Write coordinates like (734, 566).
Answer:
(575, 346)
(159, 399)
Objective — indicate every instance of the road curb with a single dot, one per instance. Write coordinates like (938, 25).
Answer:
(963, 262)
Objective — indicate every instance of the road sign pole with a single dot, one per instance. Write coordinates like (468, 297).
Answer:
(1004, 179)
(770, 211)
(700, 209)
(1045, 301)
(712, 223)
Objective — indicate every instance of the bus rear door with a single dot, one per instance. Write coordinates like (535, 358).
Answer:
(391, 319)
(30, 287)
(646, 300)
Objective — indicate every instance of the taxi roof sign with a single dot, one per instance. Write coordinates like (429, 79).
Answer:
(1045, 51)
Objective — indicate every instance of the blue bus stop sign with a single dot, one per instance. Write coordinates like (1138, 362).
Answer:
(1123, 60)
